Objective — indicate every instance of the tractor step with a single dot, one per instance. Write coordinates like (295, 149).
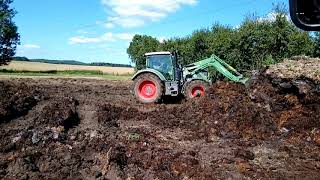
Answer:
(172, 88)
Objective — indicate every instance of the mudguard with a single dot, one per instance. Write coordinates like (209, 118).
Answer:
(153, 71)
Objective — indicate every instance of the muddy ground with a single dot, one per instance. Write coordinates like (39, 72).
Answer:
(95, 129)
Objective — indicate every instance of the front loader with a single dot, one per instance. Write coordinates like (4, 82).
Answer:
(164, 77)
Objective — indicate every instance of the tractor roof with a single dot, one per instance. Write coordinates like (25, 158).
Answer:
(158, 53)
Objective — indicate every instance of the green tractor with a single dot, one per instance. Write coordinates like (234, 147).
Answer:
(164, 77)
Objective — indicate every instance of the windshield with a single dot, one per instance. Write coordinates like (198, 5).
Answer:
(162, 63)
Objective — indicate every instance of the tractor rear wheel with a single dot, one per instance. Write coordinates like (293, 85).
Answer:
(148, 88)
(196, 88)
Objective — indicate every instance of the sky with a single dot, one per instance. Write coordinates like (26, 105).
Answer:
(101, 30)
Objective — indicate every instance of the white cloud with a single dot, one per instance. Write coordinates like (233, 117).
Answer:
(99, 22)
(81, 31)
(116, 51)
(31, 46)
(109, 25)
(125, 36)
(83, 40)
(127, 22)
(129, 13)
(107, 37)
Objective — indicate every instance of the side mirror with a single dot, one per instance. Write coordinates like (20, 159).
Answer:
(305, 14)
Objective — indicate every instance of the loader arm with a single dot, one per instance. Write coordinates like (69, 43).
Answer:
(195, 69)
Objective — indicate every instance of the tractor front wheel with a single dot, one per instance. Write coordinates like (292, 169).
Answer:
(148, 88)
(196, 88)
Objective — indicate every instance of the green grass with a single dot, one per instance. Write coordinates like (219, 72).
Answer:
(67, 73)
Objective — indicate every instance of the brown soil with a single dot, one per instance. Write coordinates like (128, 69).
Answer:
(95, 129)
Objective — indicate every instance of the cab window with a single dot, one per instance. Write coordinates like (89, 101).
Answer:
(161, 63)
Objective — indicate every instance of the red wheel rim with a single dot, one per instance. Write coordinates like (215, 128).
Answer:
(197, 91)
(147, 90)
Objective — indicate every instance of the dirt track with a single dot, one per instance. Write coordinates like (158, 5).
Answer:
(88, 129)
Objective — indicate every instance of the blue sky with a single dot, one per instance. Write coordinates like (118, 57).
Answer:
(101, 30)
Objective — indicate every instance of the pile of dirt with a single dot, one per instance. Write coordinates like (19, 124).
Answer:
(61, 111)
(297, 67)
(16, 102)
(108, 114)
(232, 110)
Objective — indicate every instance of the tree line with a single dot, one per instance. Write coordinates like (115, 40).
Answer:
(256, 42)
(70, 62)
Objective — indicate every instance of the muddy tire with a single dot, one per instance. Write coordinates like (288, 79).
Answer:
(148, 88)
(196, 88)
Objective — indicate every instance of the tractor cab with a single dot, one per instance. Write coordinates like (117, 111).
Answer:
(163, 62)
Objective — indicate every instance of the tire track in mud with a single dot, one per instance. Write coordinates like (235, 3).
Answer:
(87, 117)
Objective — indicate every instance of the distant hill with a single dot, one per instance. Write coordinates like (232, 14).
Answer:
(70, 62)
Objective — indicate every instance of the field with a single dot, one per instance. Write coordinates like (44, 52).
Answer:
(35, 66)
(53, 128)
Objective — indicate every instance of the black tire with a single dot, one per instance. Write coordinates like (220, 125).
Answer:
(156, 88)
(196, 88)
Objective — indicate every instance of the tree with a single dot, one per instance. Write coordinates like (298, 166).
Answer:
(300, 43)
(223, 41)
(180, 44)
(9, 37)
(316, 52)
(139, 46)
